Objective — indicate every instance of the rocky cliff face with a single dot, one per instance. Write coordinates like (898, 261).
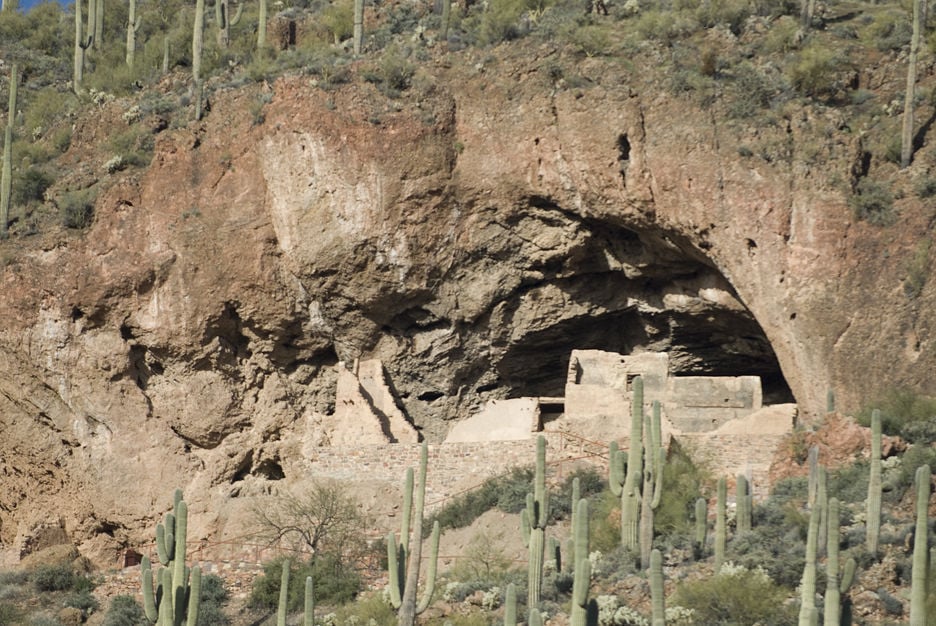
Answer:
(469, 234)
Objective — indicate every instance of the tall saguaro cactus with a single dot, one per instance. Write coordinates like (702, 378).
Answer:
(134, 22)
(81, 44)
(627, 485)
(403, 561)
(701, 525)
(175, 599)
(919, 573)
(836, 584)
(358, 26)
(224, 20)
(534, 520)
(6, 176)
(283, 603)
(743, 498)
(308, 605)
(808, 612)
(906, 135)
(198, 39)
(651, 493)
(262, 25)
(873, 504)
(721, 524)
(584, 612)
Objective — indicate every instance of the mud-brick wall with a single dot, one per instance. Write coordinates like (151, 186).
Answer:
(453, 467)
(732, 454)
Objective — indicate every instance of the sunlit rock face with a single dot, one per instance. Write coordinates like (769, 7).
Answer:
(469, 236)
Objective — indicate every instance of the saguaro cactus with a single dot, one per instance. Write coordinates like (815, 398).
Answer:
(808, 612)
(175, 600)
(283, 603)
(81, 44)
(533, 521)
(308, 605)
(873, 509)
(743, 503)
(224, 20)
(657, 601)
(510, 605)
(920, 571)
(198, 39)
(262, 25)
(701, 525)
(835, 585)
(6, 176)
(721, 524)
(906, 135)
(133, 27)
(358, 26)
(403, 561)
(584, 613)
(627, 486)
(652, 482)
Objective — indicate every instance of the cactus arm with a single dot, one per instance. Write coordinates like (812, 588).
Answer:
(237, 14)
(407, 509)
(358, 26)
(431, 572)
(616, 468)
(181, 535)
(919, 572)
(198, 39)
(194, 597)
(149, 600)
(262, 26)
(582, 576)
(743, 503)
(393, 570)
(848, 575)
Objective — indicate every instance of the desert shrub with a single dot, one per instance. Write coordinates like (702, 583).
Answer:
(83, 600)
(501, 21)
(665, 26)
(213, 597)
(899, 408)
(44, 108)
(77, 208)
(752, 90)
(849, 483)
(890, 30)
(134, 146)
(736, 596)
(338, 18)
(817, 72)
(775, 543)
(506, 492)
(483, 560)
(591, 39)
(335, 582)
(872, 202)
(926, 188)
(730, 13)
(10, 613)
(782, 36)
(392, 74)
(682, 485)
(560, 501)
(30, 185)
(124, 611)
(53, 577)
(605, 513)
(372, 609)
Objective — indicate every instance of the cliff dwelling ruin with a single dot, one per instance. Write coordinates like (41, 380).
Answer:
(720, 419)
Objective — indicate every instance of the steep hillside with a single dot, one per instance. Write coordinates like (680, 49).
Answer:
(468, 215)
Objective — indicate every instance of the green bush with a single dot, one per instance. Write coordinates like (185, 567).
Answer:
(213, 597)
(873, 202)
(83, 600)
(53, 577)
(817, 72)
(335, 582)
(682, 486)
(10, 613)
(77, 208)
(372, 609)
(29, 186)
(124, 611)
(899, 408)
(776, 542)
(506, 492)
(736, 596)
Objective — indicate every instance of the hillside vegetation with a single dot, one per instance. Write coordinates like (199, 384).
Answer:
(751, 63)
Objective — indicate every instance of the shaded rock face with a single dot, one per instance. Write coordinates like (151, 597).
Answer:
(192, 336)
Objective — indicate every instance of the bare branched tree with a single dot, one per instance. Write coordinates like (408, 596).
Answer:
(322, 519)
